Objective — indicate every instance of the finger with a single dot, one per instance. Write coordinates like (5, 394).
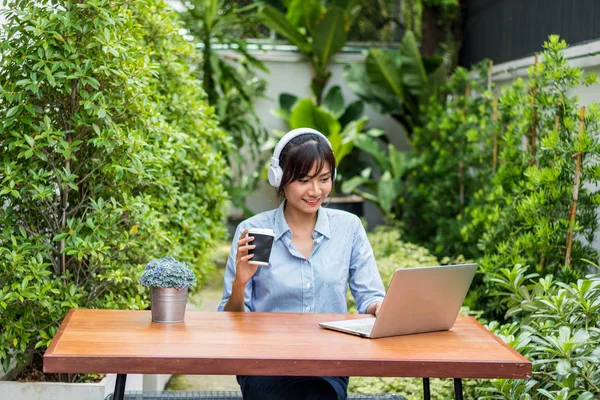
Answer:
(246, 248)
(243, 241)
(246, 258)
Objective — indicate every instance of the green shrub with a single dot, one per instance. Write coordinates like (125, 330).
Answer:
(541, 208)
(392, 253)
(508, 179)
(108, 158)
(451, 160)
(558, 328)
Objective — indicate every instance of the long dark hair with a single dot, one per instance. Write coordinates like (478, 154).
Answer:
(298, 157)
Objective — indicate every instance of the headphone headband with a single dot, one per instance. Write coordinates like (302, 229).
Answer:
(275, 171)
(291, 135)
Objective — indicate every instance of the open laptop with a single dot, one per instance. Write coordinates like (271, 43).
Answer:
(423, 299)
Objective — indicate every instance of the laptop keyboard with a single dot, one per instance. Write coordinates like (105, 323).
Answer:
(362, 328)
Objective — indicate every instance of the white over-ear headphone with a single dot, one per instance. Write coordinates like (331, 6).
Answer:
(275, 171)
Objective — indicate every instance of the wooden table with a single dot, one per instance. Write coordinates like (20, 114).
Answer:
(228, 343)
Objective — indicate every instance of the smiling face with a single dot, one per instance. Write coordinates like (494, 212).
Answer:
(308, 192)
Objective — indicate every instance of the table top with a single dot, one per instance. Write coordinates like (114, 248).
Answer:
(244, 343)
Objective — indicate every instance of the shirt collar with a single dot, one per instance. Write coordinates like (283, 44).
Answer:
(281, 226)
(322, 225)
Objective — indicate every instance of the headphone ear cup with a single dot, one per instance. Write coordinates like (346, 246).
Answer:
(275, 176)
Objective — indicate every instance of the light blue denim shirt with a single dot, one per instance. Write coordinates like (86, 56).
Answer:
(341, 255)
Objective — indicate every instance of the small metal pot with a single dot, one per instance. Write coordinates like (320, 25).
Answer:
(168, 304)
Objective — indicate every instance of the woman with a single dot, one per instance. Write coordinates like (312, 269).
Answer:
(316, 253)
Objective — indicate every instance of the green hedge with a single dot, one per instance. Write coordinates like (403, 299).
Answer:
(510, 179)
(109, 157)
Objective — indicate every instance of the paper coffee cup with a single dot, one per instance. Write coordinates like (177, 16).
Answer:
(263, 240)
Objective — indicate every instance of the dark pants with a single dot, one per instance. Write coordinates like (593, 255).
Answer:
(293, 387)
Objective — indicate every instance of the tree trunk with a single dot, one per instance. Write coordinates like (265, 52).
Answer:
(207, 72)
(433, 33)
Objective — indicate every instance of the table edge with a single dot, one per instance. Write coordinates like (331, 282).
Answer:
(497, 339)
(56, 339)
(300, 367)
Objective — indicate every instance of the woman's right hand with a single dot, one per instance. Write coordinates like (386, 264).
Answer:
(243, 270)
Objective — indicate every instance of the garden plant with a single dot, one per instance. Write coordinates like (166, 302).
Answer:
(229, 77)
(109, 157)
(516, 173)
(319, 32)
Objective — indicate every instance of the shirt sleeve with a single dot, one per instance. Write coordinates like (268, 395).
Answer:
(365, 282)
(230, 275)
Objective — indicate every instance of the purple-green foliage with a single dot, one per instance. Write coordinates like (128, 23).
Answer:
(167, 272)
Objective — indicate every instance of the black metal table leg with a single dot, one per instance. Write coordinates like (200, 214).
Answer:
(119, 393)
(426, 392)
(458, 392)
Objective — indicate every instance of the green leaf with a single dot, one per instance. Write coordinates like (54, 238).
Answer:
(387, 191)
(29, 140)
(585, 396)
(353, 112)
(5, 360)
(343, 143)
(334, 101)
(330, 34)
(287, 101)
(306, 114)
(304, 13)
(12, 111)
(397, 161)
(563, 367)
(370, 145)
(211, 11)
(350, 185)
(384, 72)
(275, 20)
(414, 76)
(59, 237)
(355, 76)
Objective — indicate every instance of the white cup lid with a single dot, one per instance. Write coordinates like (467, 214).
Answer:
(261, 231)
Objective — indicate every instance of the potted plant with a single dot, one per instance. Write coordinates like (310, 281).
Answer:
(169, 280)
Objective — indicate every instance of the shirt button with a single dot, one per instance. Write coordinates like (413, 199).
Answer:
(308, 308)
(308, 285)
(305, 262)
